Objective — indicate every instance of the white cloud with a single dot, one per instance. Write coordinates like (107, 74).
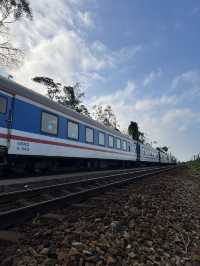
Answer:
(153, 75)
(149, 103)
(191, 76)
(56, 46)
(119, 97)
(187, 84)
(180, 118)
(86, 19)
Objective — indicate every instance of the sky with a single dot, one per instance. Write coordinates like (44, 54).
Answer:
(139, 56)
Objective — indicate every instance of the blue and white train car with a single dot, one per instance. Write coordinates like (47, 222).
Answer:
(148, 154)
(33, 127)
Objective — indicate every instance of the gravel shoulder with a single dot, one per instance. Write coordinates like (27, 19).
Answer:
(155, 221)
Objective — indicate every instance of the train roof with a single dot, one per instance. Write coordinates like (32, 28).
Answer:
(14, 88)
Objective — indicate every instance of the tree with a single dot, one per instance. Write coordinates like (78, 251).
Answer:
(133, 131)
(53, 88)
(165, 148)
(10, 12)
(141, 137)
(72, 97)
(105, 115)
(69, 96)
(83, 110)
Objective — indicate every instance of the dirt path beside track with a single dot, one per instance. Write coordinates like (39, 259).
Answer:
(153, 222)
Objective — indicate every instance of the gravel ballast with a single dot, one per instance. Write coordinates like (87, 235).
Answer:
(155, 221)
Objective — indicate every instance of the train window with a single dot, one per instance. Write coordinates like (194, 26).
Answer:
(110, 141)
(129, 147)
(3, 105)
(73, 130)
(89, 135)
(101, 138)
(124, 145)
(118, 144)
(49, 123)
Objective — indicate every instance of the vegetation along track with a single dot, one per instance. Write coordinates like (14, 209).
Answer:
(17, 206)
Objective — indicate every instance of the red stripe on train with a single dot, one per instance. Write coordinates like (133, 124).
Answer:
(41, 141)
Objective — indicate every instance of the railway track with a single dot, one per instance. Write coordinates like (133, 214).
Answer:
(10, 185)
(17, 206)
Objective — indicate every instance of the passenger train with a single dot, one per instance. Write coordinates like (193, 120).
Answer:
(37, 133)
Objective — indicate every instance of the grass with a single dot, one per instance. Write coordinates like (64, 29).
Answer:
(194, 165)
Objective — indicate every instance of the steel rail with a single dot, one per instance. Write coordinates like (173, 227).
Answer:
(15, 216)
(29, 191)
(76, 174)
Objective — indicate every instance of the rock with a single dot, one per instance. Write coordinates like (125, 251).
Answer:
(92, 259)
(78, 245)
(87, 253)
(66, 242)
(149, 243)
(135, 212)
(132, 255)
(44, 251)
(126, 235)
(115, 226)
(73, 252)
(166, 255)
(61, 256)
(110, 260)
(33, 252)
(131, 224)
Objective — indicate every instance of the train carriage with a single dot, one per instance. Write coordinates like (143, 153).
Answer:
(148, 154)
(37, 131)
(32, 126)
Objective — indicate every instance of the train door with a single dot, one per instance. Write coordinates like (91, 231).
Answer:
(5, 107)
(138, 151)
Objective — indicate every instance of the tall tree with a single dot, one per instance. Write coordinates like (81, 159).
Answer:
(105, 115)
(133, 130)
(69, 96)
(11, 11)
(52, 87)
(72, 96)
(135, 133)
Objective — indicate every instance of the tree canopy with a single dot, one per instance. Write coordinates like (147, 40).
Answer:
(53, 88)
(105, 115)
(134, 132)
(69, 96)
(165, 148)
(10, 12)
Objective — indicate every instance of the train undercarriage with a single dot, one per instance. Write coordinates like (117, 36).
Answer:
(30, 165)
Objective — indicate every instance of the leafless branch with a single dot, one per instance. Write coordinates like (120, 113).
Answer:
(11, 11)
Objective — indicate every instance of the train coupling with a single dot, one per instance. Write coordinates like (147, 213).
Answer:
(3, 156)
